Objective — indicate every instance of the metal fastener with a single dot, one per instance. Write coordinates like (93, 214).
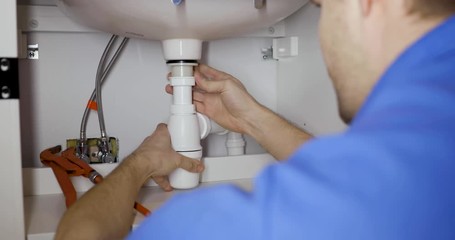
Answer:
(33, 23)
(33, 51)
(271, 30)
(6, 92)
(4, 65)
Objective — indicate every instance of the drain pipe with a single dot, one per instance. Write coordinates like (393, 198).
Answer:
(187, 127)
(183, 123)
(182, 56)
(208, 126)
(235, 144)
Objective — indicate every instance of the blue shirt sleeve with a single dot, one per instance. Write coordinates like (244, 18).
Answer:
(223, 212)
(320, 194)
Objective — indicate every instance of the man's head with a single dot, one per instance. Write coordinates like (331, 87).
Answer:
(361, 38)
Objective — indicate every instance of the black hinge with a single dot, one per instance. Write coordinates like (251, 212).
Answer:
(9, 78)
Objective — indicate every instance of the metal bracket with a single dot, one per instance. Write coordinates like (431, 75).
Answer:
(282, 48)
(285, 47)
(33, 51)
(9, 78)
(26, 50)
(267, 53)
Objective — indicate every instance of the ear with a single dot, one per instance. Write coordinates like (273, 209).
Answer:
(366, 6)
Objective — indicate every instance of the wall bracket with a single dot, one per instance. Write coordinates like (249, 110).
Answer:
(285, 48)
(282, 48)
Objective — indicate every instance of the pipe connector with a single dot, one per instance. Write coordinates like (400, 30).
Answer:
(182, 81)
(182, 49)
(208, 126)
(82, 150)
(235, 144)
(104, 153)
(182, 179)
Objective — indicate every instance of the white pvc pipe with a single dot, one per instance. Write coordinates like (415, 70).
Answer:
(178, 49)
(182, 95)
(235, 144)
(184, 125)
(182, 70)
(208, 126)
(182, 179)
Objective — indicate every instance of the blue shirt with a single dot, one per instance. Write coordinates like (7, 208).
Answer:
(390, 176)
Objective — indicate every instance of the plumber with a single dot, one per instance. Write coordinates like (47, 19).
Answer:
(389, 176)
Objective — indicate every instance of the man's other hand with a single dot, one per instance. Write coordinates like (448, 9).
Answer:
(223, 98)
(156, 156)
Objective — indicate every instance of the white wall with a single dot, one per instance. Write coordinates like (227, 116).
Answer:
(56, 87)
(305, 92)
(243, 59)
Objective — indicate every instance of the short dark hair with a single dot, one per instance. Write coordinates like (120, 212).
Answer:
(431, 8)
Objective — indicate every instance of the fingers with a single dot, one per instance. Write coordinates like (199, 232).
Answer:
(203, 74)
(191, 165)
(161, 130)
(209, 72)
(200, 107)
(163, 182)
(169, 89)
(198, 96)
(210, 86)
(161, 127)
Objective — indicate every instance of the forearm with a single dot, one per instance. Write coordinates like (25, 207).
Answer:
(279, 137)
(106, 211)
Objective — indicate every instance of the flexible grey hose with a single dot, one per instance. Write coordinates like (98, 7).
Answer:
(100, 66)
(99, 99)
(106, 72)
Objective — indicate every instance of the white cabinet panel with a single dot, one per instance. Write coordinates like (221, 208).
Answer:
(11, 207)
(8, 32)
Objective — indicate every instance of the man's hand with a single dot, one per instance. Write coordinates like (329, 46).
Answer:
(223, 98)
(157, 156)
(112, 219)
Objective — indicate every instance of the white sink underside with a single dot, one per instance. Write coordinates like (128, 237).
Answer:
(160, 19)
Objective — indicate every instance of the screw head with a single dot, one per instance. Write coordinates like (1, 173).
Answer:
(271, 30)
(33, 23)
(4, 65)
(5, 92)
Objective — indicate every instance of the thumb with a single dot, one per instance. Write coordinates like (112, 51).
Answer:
(189, 164)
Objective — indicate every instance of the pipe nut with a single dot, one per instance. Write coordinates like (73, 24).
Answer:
(183, 81)
(183, 109)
